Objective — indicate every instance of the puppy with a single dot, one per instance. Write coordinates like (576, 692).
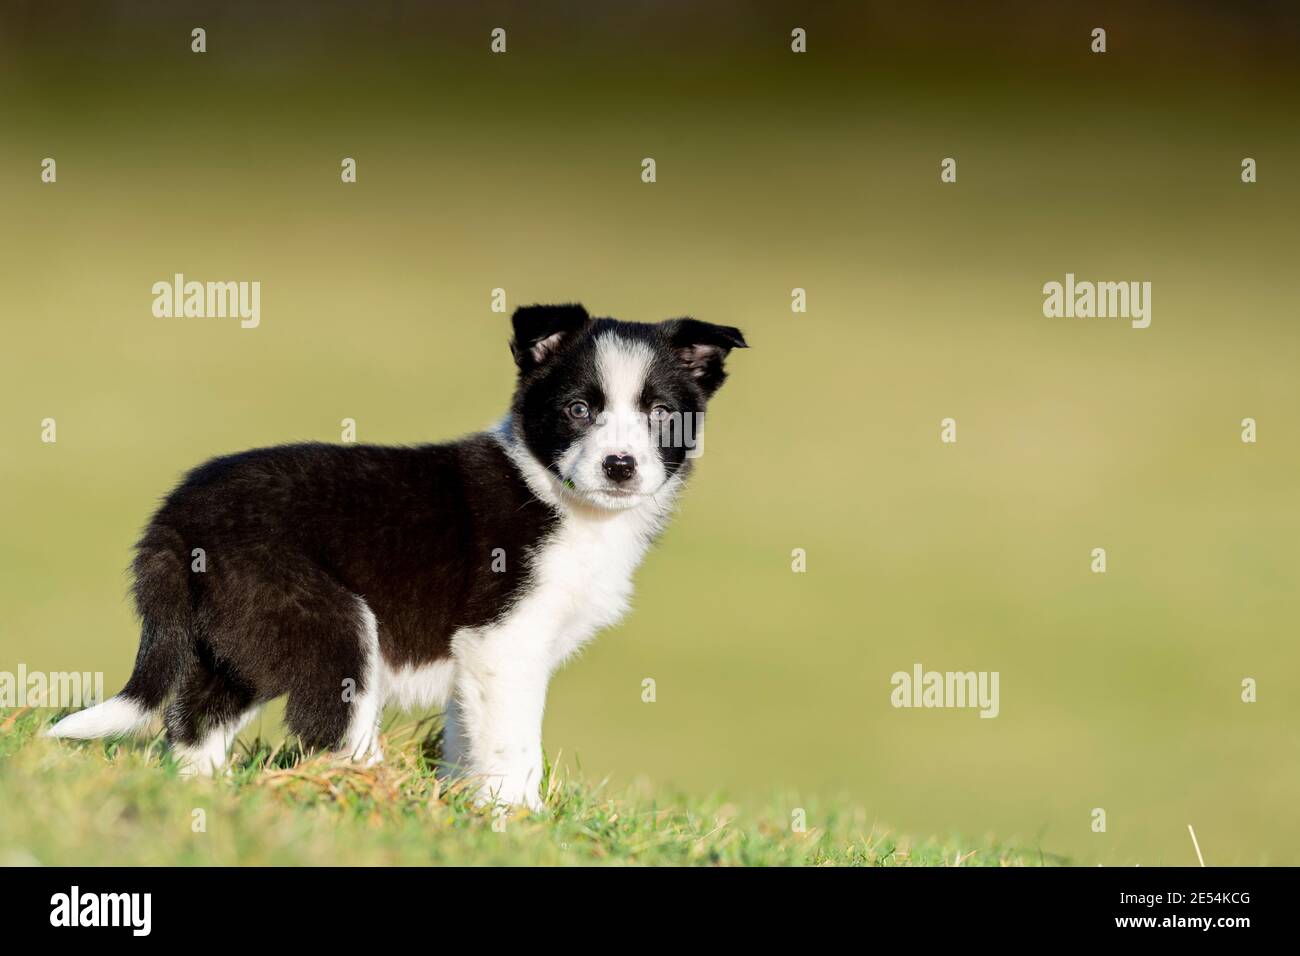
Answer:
(350, 577)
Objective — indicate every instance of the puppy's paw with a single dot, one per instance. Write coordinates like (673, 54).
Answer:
(499, 791)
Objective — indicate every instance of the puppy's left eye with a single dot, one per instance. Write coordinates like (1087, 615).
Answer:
(579, 411)
(660, 413)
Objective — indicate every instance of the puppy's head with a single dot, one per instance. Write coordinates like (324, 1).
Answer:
(613, 410)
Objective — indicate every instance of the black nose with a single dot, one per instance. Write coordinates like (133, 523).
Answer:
(620, 467)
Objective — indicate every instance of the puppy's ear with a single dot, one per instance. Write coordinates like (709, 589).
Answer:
(701, 349)
(540, 331)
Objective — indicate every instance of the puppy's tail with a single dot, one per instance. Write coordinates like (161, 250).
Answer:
(162, 600)
(114, 717)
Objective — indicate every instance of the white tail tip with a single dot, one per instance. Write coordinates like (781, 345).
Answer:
(114, 717)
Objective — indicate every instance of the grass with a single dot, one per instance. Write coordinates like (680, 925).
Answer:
(113, 803)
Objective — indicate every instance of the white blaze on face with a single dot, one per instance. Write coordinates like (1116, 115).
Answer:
(622, 427)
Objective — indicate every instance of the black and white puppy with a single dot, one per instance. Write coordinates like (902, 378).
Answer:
(461, 575)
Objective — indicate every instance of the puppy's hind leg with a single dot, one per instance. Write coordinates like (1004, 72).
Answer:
(204, 718)
(212, 752)
(336, 698)
(362, 741)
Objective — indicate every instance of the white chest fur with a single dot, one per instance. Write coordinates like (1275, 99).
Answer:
(582, 578)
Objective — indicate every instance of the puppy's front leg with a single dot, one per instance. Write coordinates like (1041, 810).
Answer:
(497, 716)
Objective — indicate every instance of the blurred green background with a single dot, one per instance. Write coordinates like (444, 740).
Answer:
(775, 170)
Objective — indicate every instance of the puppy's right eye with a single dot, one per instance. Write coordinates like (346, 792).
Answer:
(579, 411)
